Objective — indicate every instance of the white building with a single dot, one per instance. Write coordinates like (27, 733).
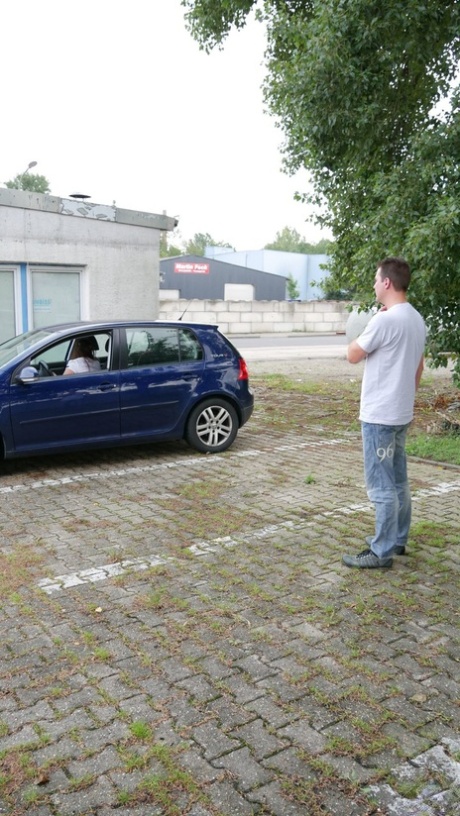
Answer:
(66, 259)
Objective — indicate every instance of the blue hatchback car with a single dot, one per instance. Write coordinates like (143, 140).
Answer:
(89, 385)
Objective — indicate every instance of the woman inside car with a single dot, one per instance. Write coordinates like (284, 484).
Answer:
(82, 358)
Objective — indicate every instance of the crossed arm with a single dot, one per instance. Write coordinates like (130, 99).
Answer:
(355, 354)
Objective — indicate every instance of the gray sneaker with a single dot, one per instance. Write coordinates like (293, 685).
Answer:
(366, 560)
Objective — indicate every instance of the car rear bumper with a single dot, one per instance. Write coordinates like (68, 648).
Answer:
(246, 411)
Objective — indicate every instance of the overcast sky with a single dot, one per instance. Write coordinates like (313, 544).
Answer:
(114, 99)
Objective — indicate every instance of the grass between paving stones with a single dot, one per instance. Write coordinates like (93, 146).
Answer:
(18, 567)
(313, 791)
(239, 600)
(164, 786)
(332, 407)
(213, 625)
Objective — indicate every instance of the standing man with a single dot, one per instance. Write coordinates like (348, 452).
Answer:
(392, 345)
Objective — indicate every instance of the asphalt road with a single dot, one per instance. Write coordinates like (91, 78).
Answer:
(285, 347)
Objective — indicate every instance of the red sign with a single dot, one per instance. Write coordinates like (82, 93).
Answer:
(192, 268)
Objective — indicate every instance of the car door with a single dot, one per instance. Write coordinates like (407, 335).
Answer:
(160, 373)
(56, 411)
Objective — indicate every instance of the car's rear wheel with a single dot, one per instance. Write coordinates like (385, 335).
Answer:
(212, 426)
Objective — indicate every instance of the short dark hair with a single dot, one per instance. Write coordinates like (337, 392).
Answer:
(397, 270)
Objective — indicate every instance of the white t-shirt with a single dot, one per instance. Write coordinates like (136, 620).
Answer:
(81, 365)
(394, 341)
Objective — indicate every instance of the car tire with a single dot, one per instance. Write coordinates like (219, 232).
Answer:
(212, 426)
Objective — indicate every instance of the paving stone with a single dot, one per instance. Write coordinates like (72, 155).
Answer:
(99, 763)
(255, 668)
(19, 717)
(86, 800)
(229, 801)
(57, 751)
(256, 735)
(230, 715)
(77, 700)
(199, 688)
(302, 735)
(174, 670)
(213, 741)
(280, 688)
(274, 715)
(245, 769)
(116, 688)
(242, 691)
(408, 743)
(23, 736)
(277, 804)
(290, 764)
(215, 668)
(200, 769)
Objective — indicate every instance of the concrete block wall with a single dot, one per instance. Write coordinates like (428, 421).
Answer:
(260, 316)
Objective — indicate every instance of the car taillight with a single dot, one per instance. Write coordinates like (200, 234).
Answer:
(244, 373)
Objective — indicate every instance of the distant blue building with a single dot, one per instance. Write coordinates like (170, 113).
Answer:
(306, 270)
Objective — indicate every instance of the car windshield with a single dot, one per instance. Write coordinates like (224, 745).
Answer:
(16, 345)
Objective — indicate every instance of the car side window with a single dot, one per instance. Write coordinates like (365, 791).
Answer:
(100, 344)
(53, 360)
(152, 346)
(161, 345)
(190, 347)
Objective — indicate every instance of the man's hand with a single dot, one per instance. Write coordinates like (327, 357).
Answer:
(419, 372)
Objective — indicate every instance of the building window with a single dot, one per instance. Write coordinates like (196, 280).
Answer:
(55, 297)
(7, 305)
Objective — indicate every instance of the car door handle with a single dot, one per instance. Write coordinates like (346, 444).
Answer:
(106, 386)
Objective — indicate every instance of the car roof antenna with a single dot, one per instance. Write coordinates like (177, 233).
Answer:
(188, 304)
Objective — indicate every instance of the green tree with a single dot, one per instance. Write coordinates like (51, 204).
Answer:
(293, 290)
(289, 240)
(33, 182)
(167, 249)
(357, 88)
(199, 242)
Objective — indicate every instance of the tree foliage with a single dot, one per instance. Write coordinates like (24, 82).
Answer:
(197, 245)
(193, 246)
(33, 182)
(289, 240)
(167, 248)
(357, 87)
(292, 287)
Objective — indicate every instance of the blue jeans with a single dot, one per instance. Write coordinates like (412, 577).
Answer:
(385, 470)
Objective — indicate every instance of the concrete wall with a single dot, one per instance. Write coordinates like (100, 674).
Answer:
(260, 316)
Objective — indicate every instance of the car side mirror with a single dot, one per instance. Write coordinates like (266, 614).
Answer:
(27, 375)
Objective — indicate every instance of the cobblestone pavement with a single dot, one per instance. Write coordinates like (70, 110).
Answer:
(178, 635)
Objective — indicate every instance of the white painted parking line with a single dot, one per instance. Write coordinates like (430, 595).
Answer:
(94, 574)
(203, 548)
(189, 461)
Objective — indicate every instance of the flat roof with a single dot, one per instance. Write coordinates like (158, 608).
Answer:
(82, 208)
